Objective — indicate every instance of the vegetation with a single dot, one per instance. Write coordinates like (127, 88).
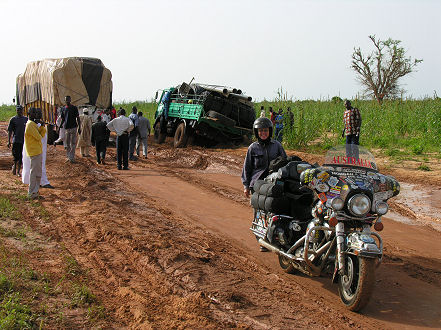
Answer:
(402, 127)
(379, 71)
(30, 299)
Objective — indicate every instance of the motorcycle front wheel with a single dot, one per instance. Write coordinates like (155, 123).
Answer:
(355, 288)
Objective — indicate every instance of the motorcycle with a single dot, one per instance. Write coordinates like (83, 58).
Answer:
(319, 219)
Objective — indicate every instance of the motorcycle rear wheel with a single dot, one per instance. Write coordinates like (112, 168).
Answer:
(355, 288)
(286, 265)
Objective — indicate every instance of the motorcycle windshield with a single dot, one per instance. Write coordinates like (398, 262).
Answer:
(350, 155)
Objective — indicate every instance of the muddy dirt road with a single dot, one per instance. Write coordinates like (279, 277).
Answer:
(168, 245)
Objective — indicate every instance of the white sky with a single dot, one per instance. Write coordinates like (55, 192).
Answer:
(257, 46)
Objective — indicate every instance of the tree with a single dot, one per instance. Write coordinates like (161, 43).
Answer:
(380, 70)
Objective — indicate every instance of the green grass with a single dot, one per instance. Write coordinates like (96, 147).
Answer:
(413, 127)
(7, 209)
(6, 112)
(30, 299)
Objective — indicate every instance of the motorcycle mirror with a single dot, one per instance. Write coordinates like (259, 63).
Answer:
(156, 95)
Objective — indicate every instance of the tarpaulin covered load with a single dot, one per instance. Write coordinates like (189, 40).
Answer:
(85, 79)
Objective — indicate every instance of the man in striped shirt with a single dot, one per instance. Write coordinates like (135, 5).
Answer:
(352, 121)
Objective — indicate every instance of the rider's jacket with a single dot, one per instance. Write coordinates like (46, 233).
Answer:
(257, 160)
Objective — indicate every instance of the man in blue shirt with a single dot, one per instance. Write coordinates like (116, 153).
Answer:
(16, 129)
(278, 134)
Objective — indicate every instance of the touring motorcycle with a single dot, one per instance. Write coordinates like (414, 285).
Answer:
(319, 219)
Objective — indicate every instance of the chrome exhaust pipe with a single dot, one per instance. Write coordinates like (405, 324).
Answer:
(276, 250)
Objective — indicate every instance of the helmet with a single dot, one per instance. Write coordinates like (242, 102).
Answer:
(262, 123)
(19, 107)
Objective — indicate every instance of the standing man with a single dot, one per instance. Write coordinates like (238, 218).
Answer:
(100, 134)
(262, 112)
(278, 135)
(84, 140)
(71, 121)
(34, 132)
(122, 126)
(16, 129)
(133, 133)
(272, 116)
(352, 122)
(105, 117)
(144, 131)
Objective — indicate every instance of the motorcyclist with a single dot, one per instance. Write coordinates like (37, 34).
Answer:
(260, 154)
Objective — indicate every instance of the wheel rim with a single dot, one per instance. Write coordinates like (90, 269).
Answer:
(350, 280)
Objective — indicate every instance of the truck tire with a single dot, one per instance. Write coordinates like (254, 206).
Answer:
(181, 136)
(158, 135)
(221, 118)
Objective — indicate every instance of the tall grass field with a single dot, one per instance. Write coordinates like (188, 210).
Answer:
(398, 127)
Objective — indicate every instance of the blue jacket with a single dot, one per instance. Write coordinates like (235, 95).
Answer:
(257, 160)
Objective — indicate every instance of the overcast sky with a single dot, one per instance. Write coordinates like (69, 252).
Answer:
(257, 46)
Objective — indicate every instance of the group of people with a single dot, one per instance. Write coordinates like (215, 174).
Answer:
(29, 139)
(278, 119)
(132, 132)
(266, 149)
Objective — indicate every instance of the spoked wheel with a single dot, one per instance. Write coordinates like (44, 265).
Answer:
(355, 288)
(286, 265)
(181, 136)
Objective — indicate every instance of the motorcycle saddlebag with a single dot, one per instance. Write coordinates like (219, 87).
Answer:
(277, 205)
(257, 185)
(271, 190)
(281, 161)
(255, 200)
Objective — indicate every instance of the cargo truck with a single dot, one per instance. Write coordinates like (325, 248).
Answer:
(45, 83)
(211, 112)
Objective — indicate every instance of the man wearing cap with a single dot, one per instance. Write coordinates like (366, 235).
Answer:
(133, 133)
(71, 121)
(122, 127)
(16, 129)
(85, 140)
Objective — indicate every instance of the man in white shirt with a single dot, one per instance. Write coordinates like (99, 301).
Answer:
(122, 127)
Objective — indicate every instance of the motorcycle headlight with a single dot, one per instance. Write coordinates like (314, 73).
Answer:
(359, 205)
(381, 208)
(337, 203)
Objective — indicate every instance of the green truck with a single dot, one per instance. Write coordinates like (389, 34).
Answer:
(215, 114)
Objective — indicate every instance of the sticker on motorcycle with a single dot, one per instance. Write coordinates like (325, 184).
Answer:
(332, 181)
(322, 187)
(322, 197)
(345, 187)
(335, 190)
(323, 176)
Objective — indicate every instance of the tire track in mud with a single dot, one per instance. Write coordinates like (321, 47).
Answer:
(414, 265)
(157, 269)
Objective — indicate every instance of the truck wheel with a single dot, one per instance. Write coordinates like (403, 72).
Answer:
(224, 120)
(158, 136)
(181, 137)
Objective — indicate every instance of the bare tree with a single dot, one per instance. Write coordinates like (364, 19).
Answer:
(380, 70)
